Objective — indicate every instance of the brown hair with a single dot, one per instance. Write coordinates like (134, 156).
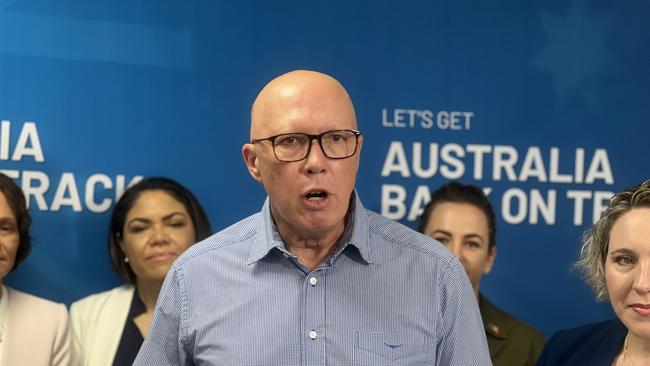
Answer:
(16, 200)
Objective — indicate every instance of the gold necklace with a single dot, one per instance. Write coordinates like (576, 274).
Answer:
(625, 353)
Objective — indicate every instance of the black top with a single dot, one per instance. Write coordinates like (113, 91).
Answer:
(132, 339)
(594, 344)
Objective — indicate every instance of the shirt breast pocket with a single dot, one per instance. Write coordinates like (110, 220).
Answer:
(384, 348)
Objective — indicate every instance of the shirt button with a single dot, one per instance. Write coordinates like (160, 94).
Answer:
(313, 281)
(313, 334)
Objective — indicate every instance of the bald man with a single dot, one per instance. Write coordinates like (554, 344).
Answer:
(313, 278)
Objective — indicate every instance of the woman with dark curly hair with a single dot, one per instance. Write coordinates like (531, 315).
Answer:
(33, 331)
(153, 223)
(615, 261)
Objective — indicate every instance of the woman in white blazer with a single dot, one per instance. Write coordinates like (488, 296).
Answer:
(33, 331)
(152, 223)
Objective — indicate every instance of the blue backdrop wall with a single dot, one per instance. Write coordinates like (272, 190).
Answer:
(542, 103)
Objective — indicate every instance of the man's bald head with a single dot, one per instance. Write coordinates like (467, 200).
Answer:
(309, 197)
(294, 90)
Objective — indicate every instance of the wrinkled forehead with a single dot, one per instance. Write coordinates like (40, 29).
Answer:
(283, 102)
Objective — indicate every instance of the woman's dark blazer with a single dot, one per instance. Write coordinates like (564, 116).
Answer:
(593, 344)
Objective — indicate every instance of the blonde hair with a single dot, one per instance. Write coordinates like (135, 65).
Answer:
(595, 241)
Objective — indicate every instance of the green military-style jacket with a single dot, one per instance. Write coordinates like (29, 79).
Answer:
(511, 341)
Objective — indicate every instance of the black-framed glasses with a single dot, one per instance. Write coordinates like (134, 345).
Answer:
(335, 144)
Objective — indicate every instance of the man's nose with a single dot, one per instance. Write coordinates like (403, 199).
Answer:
(315, 161)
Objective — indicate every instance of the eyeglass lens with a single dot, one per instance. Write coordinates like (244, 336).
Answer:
(296, 146)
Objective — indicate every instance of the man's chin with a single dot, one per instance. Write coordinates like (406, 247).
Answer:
(320, 225)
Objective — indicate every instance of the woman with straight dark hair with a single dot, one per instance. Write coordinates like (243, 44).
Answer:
(152, 224)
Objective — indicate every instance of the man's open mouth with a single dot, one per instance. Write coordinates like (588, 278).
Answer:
(316, 195)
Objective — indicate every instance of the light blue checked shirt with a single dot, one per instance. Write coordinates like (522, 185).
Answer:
(388, 296)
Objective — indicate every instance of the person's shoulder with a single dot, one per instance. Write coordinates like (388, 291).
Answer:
(601, 328)
(501, 324)
(236, 233)
(98, 299)
(37, 329)
(581, 345)
(36, 307)
(27, 298)
(405, 238)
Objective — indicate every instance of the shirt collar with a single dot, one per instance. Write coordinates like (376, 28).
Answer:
(355, 234)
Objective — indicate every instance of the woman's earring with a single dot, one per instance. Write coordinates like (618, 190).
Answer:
(126, 259)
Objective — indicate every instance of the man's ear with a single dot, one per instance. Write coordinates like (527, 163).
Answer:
(360, 144)
(358, 152)
(252, 163)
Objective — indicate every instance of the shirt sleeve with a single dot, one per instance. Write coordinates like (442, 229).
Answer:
(460, 334)
(166, 341)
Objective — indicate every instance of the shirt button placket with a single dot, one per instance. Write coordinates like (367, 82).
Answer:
(314, 322)
(313, 334)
